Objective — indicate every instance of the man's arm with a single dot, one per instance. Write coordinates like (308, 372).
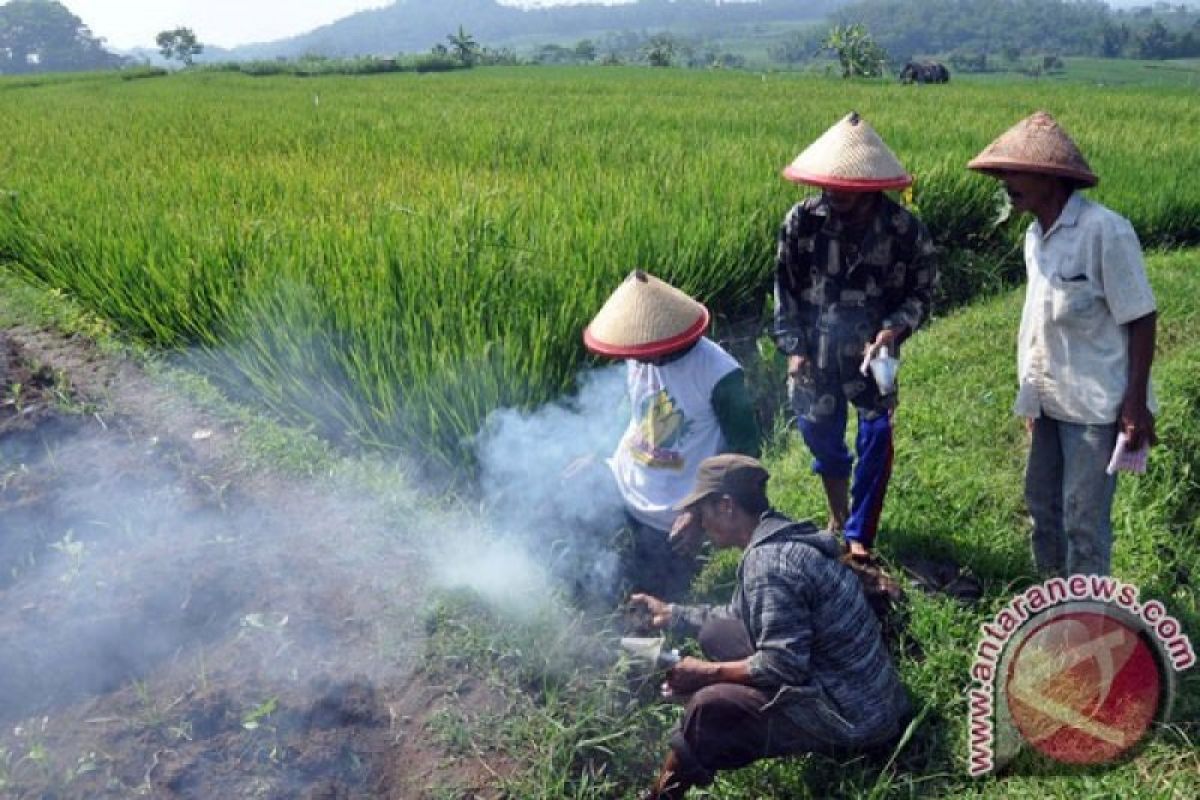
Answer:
(1131, 301)
(781, 652)
(692, 674)
(676, 617)
(917, 303)
(1136, 420)
(790, 281)
(735, 414)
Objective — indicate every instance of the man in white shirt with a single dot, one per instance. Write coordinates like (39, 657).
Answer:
(687, 401)
(1085, 346)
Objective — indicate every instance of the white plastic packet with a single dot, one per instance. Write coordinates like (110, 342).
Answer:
(883, 368)
(1126, 460)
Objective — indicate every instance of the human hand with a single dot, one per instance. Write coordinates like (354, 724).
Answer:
(658, 610)
(796, 366)
(885, 338)
(686, 535)
(1137, 423)
(692, 674)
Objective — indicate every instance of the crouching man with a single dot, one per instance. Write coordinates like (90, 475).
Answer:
(797, 663)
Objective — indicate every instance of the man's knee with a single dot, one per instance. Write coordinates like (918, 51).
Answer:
(725, 639)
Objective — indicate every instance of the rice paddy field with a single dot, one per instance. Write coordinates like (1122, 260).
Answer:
(387, 259)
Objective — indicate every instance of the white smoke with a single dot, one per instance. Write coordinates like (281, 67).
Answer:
(549, 498)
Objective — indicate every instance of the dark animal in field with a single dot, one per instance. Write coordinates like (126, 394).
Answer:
(924, 72)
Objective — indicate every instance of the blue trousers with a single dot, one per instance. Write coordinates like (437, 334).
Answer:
(826, 439)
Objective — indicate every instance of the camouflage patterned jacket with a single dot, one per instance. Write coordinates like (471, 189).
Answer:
(834, 294)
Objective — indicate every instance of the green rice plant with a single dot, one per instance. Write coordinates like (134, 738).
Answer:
(387, 259)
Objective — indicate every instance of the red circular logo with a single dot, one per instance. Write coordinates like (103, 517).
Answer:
(1084, 687)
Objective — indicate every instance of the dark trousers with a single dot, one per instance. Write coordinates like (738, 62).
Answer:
(724, 725)
(649, 565)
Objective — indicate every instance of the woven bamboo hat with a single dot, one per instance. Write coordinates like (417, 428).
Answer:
(645, 318)
(849, 157)
(1035, 144)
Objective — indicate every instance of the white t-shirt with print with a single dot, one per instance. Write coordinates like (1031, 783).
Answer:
(672, 428)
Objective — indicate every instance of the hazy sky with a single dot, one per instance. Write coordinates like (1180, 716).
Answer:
(134, 23)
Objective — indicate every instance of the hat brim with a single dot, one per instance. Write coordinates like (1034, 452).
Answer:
(993, 165)
(846, 184)
(650, 349)
(692, 499)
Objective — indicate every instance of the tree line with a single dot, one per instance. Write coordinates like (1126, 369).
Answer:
(1014, 28)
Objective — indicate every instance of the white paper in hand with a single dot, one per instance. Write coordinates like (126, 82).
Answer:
(1126, 460)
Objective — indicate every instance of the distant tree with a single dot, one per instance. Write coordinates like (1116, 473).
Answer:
(1189, 43)
(660, 50)
(1113, 40)
(464, 46)
(794, 48)
(499, 57)
(41, 35)
(856, 51)
(554, 54)
(686, 53)
(1069, 27)
(585, 50)
(727, 61)
(969, 61)
(1154, 41)
(179, 44)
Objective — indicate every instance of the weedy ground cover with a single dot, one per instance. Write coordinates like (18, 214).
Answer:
(956, 491)
(387, 259)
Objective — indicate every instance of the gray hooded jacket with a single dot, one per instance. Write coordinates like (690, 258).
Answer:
(818, 648)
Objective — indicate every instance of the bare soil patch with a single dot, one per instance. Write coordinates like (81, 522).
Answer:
(176, 625)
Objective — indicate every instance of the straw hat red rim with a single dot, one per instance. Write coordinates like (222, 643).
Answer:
(850, 156)
(653, 349)
(644, 318)
(847, 184)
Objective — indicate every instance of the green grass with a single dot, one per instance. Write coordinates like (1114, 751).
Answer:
(1124, 72)
(387, 259)
(1105, 72)
(956, 490)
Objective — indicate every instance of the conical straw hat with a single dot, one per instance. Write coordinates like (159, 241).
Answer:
(850, 157)
(645, 318)
(1035, 144)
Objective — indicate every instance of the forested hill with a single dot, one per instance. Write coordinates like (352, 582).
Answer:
(416, 25)
(1066, 27)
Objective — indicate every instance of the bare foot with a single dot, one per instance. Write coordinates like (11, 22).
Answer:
(858, 549)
